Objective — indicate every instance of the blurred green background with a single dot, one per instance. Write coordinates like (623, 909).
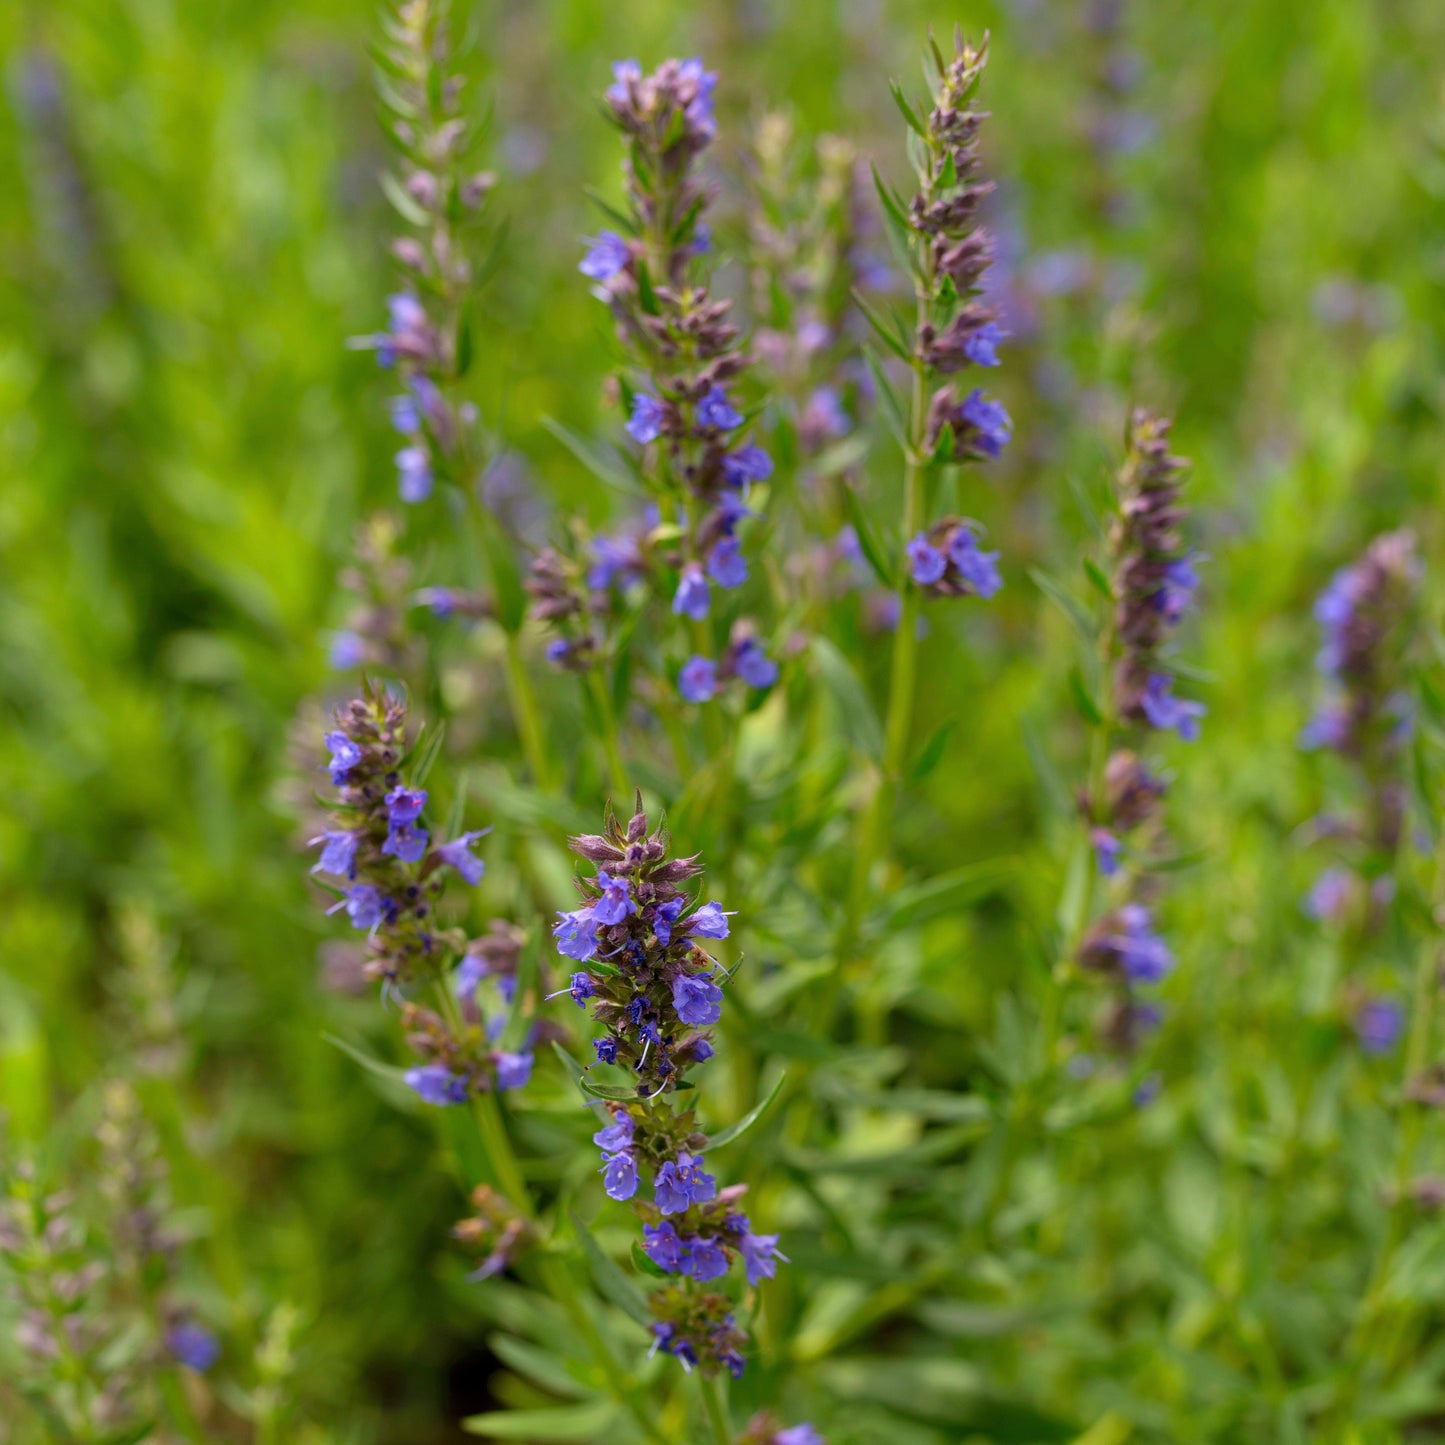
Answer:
(190, 229)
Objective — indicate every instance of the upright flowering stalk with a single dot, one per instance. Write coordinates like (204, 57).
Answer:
(391, 874)
(1152, 583)
(427, 343)
(657, 992)
(1365, 615)
(681, 397)
(954, 331)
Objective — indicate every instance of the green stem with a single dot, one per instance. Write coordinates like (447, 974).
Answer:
(715, 1403)
(611, 745)
(528, 719)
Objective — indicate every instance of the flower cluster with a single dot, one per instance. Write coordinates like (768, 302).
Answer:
(657, 993)
(391, 876)
(442, 200)
(1154, 580)
(1152, 586)
(495, 1230)
(685, 346)
(1364, 614)
(957, 328)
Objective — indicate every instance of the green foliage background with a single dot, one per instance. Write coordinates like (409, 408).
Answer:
(186, 446)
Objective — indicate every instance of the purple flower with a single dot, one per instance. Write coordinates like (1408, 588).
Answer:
(338, 854)
(436, 1084)
(404, 805)
(682, 1182)
(663, 917)
(1143, 955)
(469, 975)
(414, 474)
(803, 1434)
(625, 74)
(648, 415)
(582, 987)
(692, 593)
(824, 416)
(616, 561)
(760, 1256)
(1379, 1024)
(754, 665)
(1164, 710)
(513, 1070)
(990, 422)
(457, 854)
(697, 681)
(616, 901)
(406, 842)
(193, 1345)
(709, 922)
(716, 413)
(365, 906)
(662, 1246)
(749, 463)
(1106, 850)
(344, 756)
(980, 348)
(619, 1176)
(1330, 896)
(576, 935)
(405, 415)
(1176, 593)
(1148, 1090)
(1329, 728)
(697, 999)
(703, 1259)
(979, 569)
(616, 1137)
(605, 257)
(726, 564)
(926, 564)
(606, 1050)
(347, 650)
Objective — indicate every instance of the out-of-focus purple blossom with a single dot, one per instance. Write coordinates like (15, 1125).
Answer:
(436, 1084)
(646, 422)
(514, 1071)
(414, 473)
(749, 463)
(1379, 1023)
(697, 682)
(991, 424)
(1165, 711)
(926, 564)
(458, 854)
(1106, 851)
(1329, 899)
(977, 568)
(347, 651)
(726, 564)
(752, 664)
(716, 413)
(691, 599)
(761, 1255)
(981, 348)
(606, 256)
(193, 1345)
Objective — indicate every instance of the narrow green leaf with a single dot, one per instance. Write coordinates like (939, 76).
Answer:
(868, 543)
(892, 206)
(611, 1283)
(401, 202)
(932, 752)
(717, 1141)
(422, 758)
(606, 1091)
(1095, 574)
(645, 1263)
(589, 1422)
(905, 109)
(603, 462)
(858, 714)
(1086, 704)
(891, 335)
(957, 890)
(390, 1072)
(892, 407)
(1071, 607)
